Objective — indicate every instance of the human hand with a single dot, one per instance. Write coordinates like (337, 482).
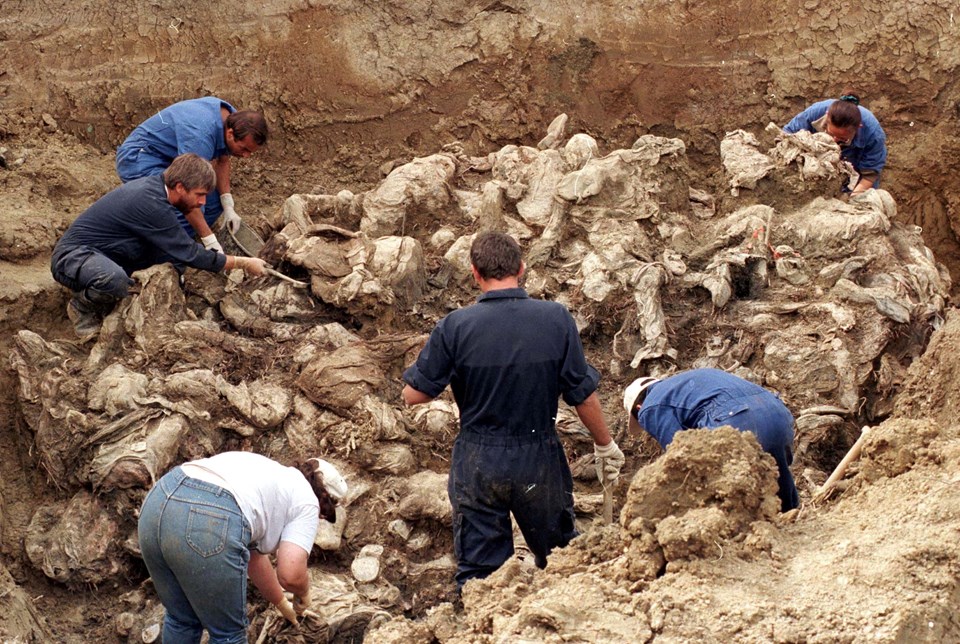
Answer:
(609, 460)
(230, 216)
(210, 243)
(286, 609)
(251, 265)
(301, 602)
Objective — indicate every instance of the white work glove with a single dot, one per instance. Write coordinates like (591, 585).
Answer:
(210, 243)
(301, 602)
(286, 609)
(609, 460)
(230, 216)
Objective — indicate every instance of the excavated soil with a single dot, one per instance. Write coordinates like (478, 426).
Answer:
(354, 92)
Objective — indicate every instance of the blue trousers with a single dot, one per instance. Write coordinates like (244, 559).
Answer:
(87, 271)
(135, 162)
(492, 477)
(194, 540)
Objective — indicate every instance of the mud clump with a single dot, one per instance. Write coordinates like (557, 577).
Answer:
(709, 486)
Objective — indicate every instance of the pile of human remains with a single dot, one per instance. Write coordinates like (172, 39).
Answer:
(824, 300)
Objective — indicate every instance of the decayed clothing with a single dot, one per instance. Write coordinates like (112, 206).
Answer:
(710, 398)
(507, 359)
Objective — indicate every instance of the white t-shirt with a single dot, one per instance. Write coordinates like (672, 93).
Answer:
(277, 501)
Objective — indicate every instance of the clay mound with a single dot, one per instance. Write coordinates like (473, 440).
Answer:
(710, 486)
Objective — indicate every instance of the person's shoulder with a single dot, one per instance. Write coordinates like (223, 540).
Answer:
(549, 307)
(868, 117)
(148, 185)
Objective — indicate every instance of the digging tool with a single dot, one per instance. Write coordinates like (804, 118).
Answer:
(607, 495)
(247, 240)
(296, 283)
(841, 468)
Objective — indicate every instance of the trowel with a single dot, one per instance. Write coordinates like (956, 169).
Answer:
(296, 283)
(250, 243)
(607, 496)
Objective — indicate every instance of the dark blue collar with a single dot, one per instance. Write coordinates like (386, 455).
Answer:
(504, 293)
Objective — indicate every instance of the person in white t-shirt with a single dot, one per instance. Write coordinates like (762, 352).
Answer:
(209, 524)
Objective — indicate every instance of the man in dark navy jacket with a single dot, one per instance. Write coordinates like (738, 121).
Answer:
(130, 228)
(507, 359)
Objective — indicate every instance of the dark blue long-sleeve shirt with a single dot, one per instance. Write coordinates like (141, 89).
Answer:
(136, 226)
(507, 359)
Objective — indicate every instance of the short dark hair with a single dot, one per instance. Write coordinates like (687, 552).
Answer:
(495, 255)
(845, 112)
(192, 171)
(246, 123)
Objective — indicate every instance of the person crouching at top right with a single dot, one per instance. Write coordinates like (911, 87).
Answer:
(855, 129)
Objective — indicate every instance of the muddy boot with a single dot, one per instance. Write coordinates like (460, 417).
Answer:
(86, 320)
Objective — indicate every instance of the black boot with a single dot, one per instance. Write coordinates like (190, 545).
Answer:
(86, 320)
(87, 310)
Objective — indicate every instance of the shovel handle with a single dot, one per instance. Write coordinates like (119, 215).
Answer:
(607, 494)
(841, 468)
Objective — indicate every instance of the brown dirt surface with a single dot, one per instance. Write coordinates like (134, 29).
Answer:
(353, 89)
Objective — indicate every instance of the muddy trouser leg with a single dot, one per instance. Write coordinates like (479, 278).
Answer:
(489, 478)
(543, 497)
(772, 423)
(193, 538)
(482, 532)
(97, 281)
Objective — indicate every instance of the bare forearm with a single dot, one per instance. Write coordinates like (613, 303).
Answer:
(591, 415)
(195, 219)
(862, 185)
(292, 568)
(222, 170)
(264, 577)
(413, 397)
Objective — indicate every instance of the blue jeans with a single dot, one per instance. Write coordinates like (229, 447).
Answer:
(194, 540)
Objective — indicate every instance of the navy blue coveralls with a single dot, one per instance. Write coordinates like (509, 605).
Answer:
(507, 359)
(710, 398)
(128, 229)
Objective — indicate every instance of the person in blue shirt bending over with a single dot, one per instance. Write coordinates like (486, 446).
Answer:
(855, 129)
(710, 398)
(208, 127)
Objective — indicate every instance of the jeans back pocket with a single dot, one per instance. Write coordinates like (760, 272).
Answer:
(207, 531)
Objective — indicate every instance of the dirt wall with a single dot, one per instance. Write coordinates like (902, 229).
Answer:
(352, 84)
